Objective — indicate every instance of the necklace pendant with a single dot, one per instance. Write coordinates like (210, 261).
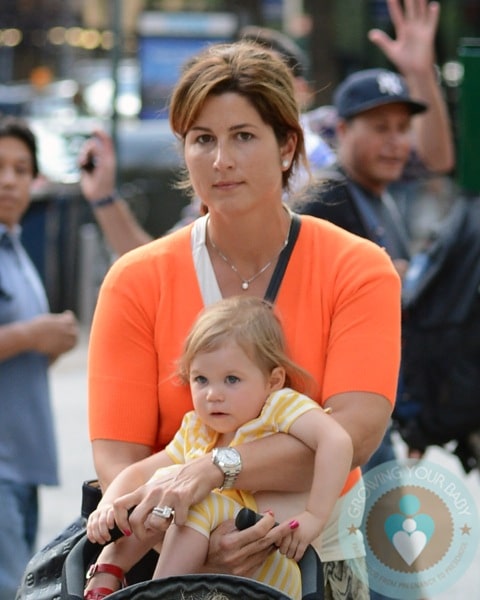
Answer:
(245, 285)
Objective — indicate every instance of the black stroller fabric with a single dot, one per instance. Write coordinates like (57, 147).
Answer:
(42, 579)
(198, 586)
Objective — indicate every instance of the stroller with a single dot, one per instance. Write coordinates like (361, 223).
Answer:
(58, 571)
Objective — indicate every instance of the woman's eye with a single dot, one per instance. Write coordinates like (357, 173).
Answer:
(205, 138)
(245, 136)
(231, 379)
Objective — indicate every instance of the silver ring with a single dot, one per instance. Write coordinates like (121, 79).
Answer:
(164, 512)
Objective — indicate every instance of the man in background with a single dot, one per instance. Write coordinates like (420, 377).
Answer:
(31, 339)
(382, 117)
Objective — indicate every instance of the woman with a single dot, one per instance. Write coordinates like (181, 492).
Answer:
(235, 114)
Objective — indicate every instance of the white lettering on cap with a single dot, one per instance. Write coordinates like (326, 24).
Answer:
(389, 83)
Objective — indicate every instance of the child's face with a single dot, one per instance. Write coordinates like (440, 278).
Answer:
(228, 389)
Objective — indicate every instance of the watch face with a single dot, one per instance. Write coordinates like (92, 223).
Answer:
(229, 461)
(229, 457)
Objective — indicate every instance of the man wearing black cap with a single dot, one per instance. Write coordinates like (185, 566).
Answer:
(382, 117)
(375, 112)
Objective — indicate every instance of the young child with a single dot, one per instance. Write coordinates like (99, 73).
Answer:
(241, 382)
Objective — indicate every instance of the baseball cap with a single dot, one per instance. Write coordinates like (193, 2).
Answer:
(370, 88)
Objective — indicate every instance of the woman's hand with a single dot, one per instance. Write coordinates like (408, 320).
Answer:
(241, 552)
(189, 484)
(415, 29)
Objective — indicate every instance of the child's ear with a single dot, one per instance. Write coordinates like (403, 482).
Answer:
(277, 378)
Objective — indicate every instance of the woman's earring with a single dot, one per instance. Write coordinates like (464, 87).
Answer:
(285, 164)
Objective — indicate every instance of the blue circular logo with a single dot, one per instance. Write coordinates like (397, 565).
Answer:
(419, 524)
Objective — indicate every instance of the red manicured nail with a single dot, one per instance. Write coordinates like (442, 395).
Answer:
(294, 524)
(127, 532)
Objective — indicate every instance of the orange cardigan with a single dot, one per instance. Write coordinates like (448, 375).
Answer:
(339, 304)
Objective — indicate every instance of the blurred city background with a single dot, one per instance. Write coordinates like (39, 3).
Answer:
(69, 66)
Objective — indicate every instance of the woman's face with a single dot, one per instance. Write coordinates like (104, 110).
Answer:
(233, 157)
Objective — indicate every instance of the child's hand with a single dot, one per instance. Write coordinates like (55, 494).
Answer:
(297, 533)
(99, 524)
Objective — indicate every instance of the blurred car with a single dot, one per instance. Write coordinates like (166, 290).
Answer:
(98, 97)
(148, 164)
(57, 99)
(97, 87)
(144, 148)
(15, 98)
(59, 142)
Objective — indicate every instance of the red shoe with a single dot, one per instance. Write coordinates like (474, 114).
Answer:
(101, 592)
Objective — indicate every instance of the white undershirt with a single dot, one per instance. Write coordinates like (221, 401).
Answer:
(203, 265)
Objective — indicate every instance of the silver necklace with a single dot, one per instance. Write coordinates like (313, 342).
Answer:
(246, 282)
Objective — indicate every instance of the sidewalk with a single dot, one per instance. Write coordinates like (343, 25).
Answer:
(61, 505)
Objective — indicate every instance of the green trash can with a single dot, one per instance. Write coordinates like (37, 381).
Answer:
(469, 116)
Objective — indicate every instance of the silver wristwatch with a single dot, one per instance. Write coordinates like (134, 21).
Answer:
(229, 461)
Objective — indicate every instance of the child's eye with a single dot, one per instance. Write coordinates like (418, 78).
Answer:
(200, 379)
(231, 379)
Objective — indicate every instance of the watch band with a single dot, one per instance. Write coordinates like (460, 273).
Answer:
(106, 201)
(230, 479)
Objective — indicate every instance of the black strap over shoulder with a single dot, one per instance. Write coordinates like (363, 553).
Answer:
(283, 259)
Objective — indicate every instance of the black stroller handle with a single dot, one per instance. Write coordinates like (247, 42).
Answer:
(311, 568)
(246, 517)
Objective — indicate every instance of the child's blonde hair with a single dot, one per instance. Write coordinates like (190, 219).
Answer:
(252, 324)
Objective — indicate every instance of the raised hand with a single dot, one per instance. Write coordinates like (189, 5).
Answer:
(413, 48)
(412, 52)
(97, 161)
